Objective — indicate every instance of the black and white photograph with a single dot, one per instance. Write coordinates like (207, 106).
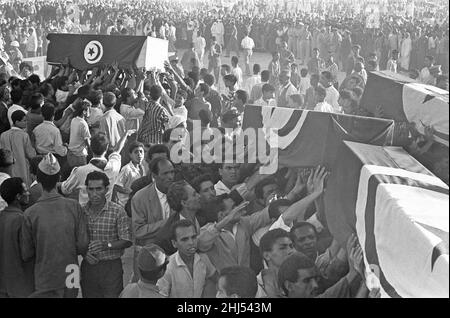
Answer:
(202, 149)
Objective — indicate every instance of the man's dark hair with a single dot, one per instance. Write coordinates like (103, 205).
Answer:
(154, 164)
(256, 68)
(95, 97)
(60, 82)
(16, 96)
(36, 100)
(80, 107)
(48, 182)
(48, 111)
(134, 145)
(175, 194)
(226, 67)
(204, 88)
(10, 188)
(45, 88)
(99, 143)
(97, 175)
(269, 238)
(260, 186)
(240, 280)
(231, 78)
(34, 79)
(303, 72)
(18, 115)
(5, 154)
(265, 76)
(289, 269)
(268, 88)
(155, 92)
(197, 181)
(209, 79)
(159, 148)
(235, 60)
(298, 225)
(180, 224)
(25, 65)
(109, 99)
(84, 91)
(242, 95)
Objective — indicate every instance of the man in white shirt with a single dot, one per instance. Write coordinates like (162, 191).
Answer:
(112, 123)
(16, 97)
(237, 71)
(286, 89)
(248, 45)
(321, 104)
(218, 30)
(425, 75)
(199, 47)
(332, 95)
(268, 96)
(253, 80)
(46, 136)
(110, 166)
(392, 64)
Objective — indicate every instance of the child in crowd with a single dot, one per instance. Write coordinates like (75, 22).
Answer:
(129, 173)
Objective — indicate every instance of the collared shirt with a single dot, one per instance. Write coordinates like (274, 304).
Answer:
(164, 203)
(78, 176)
(153, 123)
(109, 225)
(262, 102)
(284, 93)
(141, 290)
(237, 71)
(178, 282)
(128, 174)
(251, 82)
(332, 98)
(113, 125)
(48, 139)
(133, 116)
(247, 43)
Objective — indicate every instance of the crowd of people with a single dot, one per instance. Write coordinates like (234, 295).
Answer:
(87, 160)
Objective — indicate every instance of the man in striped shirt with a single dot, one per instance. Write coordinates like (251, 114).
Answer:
(155, 119)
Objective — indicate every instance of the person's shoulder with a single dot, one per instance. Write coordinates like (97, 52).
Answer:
(143, 192)
(130, 291)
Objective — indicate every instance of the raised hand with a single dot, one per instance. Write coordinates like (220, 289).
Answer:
(316, 180)
(355, 255)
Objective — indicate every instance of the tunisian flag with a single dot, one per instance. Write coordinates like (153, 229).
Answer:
(86, 51)
(309, 138)
(404, 99)
(399, 211)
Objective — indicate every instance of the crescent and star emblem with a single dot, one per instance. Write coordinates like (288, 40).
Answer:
(93, 52)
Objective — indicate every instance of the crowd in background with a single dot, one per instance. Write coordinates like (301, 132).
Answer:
(104, 138)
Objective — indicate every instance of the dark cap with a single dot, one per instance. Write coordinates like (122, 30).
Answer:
(151, 258)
